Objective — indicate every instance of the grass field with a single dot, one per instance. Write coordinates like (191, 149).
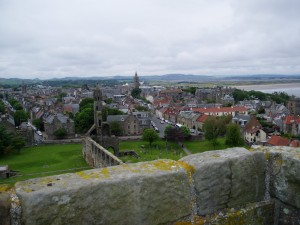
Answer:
(45, 161)
(158, 150)
(57, 159)
(203, 146)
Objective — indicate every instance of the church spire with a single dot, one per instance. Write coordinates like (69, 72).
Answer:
(136, 81)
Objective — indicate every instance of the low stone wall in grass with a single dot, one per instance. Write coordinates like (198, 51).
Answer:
(233, 186)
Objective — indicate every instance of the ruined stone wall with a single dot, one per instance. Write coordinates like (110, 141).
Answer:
(233, 186)
(96, 156)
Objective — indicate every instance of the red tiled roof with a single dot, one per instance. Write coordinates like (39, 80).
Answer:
(290, 119)
(202, 118)
(295, 143)
(253, 125)
(278, 141)
(220, 109)
(68, 108)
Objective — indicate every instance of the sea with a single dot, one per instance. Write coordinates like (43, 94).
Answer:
(290, 89)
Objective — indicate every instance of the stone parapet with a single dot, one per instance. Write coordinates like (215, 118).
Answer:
(233, 186)
(144, 193)
(225, 179)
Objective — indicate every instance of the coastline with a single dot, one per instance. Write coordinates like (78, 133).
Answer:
(267, 86)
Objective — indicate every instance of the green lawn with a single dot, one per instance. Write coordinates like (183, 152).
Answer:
(57, 159)
(45, 161)
(158, 150)
(203, 146)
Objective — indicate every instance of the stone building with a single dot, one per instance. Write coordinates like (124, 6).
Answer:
(294, 106)
(100, 131)
(253, 132)
(57, 121)
(136, 81)
(132, 124)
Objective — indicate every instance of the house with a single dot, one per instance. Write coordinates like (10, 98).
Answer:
(171, 113)
(241, 120)
(222, 111)
(295, 144)
(129, 124)
(57, 121)
(160, 112)
(294, 105)
(144, 119)
(253, 132)
(278, 141)
(71, 108)
(291, 124)
(188, 119)
(200, 121)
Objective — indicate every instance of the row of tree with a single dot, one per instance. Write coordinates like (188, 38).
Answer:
(10, 142)
(221, 126)
(278, 97)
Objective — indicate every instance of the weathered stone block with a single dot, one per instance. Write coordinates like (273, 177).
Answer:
(284, 172)
(286, 215)
(4, 205)
(144, 193)
(261, 213)
(227, 178)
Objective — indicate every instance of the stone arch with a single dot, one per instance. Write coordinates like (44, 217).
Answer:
(106, 129)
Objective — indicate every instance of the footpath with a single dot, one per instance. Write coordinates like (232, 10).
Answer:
(184, 148)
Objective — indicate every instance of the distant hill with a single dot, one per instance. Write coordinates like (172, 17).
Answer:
(182, 78)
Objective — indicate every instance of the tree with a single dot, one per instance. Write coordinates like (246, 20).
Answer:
(108, 111)
(5, 140)
(211, 130)
(136, 92)
(18, 106)
(39, 124)
(86, 103)
(185, 131)
(18, 142)
(84, 120)
(115, 128)
(60, 133)
(2, 107)
(239, 95)
(150, 135)
(233, 136)
(108, 100)
(174, 134)
(20, 116)
(141, 108)
(222, 122)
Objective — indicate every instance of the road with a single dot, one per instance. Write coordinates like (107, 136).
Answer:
(161, 127)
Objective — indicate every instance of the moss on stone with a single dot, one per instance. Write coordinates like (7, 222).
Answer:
(5, 188)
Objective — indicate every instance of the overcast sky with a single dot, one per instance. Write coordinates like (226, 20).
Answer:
(59, 38)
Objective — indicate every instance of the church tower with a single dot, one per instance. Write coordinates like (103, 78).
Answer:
(98, 111)
(136, 81)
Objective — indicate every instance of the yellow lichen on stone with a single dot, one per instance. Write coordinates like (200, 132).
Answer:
(196, 220)
(187, 167)
(5, 188)
(165, 165)
(99, 174)
(267, 155)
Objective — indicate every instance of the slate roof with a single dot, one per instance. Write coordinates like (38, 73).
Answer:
(118, 118)
(62, 118)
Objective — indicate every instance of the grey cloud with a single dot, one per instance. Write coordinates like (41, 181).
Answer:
(75, 37)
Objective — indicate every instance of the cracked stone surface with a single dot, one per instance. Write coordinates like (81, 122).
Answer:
(284, 164)
(227, 178)
(154, 192)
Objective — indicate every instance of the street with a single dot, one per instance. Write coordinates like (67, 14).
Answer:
(161, 127)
